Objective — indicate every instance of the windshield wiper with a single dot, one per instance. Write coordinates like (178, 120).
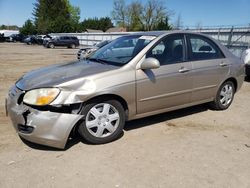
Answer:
(102, 61)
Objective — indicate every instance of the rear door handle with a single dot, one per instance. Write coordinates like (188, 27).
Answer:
(183, 70)
(222, 64)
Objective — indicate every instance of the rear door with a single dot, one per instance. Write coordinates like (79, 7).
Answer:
(210, 66)
(171, 84)
(60, 41)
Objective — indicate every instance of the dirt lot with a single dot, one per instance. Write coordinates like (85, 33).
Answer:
(194, 147)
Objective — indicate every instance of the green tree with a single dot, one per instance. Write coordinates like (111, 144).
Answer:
(163, 25)
(55, 16)
(96, 23)
(105, 23)
(75, 17)
(9, 27)
(28, 28)
(3, 27)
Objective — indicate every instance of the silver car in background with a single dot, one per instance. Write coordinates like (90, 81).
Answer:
(84, 52)
(132, 77)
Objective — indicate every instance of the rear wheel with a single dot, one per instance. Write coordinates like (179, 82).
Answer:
(51, 45)
(104, 121)
(72, 46)
(224, 96)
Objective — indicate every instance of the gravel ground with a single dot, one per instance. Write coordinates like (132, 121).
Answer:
(193, 147)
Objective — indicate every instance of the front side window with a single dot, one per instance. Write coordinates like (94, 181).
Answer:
(122, 50)
(169, 50)
(203, 49)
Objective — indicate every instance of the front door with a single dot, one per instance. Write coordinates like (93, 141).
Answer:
(171, 84)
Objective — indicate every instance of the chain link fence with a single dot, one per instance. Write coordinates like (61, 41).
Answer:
(237, 39)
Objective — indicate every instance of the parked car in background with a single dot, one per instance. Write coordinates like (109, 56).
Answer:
(134, 76)
(15, 38)
(39, 39)
(30, 40)
(46, 38)
(36, 39)
(246, 58)
(86, 51)
(67, 41)
(2, 38)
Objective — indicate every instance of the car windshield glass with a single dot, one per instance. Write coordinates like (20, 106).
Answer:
(122, 50)
(101, 44)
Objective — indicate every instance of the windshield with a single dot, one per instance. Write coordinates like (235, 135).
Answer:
(122, 50)
(101, 44)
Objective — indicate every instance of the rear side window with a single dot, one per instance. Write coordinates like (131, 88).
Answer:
(202, 48)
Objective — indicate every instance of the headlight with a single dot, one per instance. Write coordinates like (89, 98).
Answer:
(41, 97)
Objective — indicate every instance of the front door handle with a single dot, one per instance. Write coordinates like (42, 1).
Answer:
(222, 64)
(183, 70)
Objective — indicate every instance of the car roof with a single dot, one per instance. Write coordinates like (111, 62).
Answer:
(151, 33)
(159, 33)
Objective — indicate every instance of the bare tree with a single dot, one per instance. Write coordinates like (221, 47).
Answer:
(154, 12)
(137, 16)
(120, 13)
(178, 23)
(135, 10)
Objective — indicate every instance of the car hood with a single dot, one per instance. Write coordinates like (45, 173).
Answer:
(58, 74)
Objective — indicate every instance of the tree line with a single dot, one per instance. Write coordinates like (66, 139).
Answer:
(59, 16)
(8, 27)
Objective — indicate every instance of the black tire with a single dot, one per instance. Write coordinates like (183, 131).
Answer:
(90, 138)
(51, 45)
(217, 104)
(73, 46)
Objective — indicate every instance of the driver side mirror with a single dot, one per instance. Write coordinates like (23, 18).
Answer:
(150, 63)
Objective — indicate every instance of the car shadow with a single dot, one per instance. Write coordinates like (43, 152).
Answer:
(247, 79)
(71, 142)
(148, 121)
(131, 125)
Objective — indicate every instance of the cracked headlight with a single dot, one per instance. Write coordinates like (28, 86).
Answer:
(41, 97)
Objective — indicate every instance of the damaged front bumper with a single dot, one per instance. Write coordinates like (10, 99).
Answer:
(42, 127)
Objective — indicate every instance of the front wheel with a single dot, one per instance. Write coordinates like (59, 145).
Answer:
(224, 96)
(104, 121)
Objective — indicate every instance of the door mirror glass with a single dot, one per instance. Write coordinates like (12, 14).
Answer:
(150, 63)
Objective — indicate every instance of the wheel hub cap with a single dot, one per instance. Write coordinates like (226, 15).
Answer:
(102, 120)
(226, 95)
